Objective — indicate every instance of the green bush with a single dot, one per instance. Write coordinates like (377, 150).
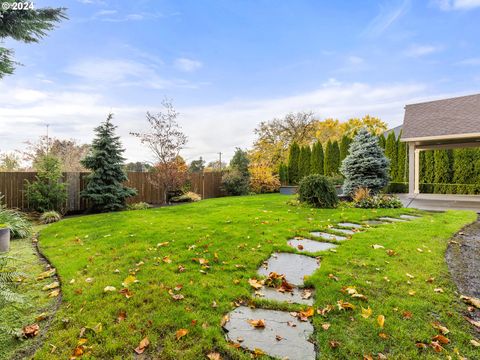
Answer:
(189, 196)
(49, 217)
(18, 224)
(397, 188)
(380, 201)
(139, 206)
(47, 192)
(235, 183)
(318, 191)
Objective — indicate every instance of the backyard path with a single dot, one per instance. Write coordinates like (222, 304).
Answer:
(284, 334)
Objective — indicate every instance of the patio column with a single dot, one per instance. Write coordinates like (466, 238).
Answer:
(413, 169)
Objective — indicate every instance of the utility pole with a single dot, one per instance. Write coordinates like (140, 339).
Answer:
(220, 161)
(48, 139)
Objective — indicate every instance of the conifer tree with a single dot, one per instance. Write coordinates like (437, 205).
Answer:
(443, 170)
(392, 153)
(105, 189)
(421, 169)
(293, 158)
(316, 164)
(283, 174)
(304, 162)
(429, 167)
(382, 141)
(328, 159)
(464, 170)
(344, 145)
(335, 157)
(402, 161)
(366, 165)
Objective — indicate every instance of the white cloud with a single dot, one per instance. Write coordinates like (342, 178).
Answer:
(187, 65)
(422, 50)
(448, 5)
(387, 16)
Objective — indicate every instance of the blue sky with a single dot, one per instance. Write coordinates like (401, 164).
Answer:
(228, 65)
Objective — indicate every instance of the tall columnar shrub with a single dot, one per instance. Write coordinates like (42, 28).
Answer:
(402, 161)
(464, 170)
(283, 174)
(293, 158)
(316, 163)
(105, 189)
(336, 157)
(382, 141)
(344, 145)
(304, 162)
(366, 166)
(392, 153)
(327, 162)
(421, 166)
(429, 167)
(443, 170)
(47, 192)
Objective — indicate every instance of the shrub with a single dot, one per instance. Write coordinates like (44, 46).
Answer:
(379, 201)
(316, 190)
(18, 224)
(47, 192)
(139, 206)
(361, 194)
(262, 180)
(235, 183)
(397, 188)
(189, 196)
(49, 217)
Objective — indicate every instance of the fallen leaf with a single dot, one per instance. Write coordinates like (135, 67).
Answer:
(130, 279)
(366, 312)
(475, 343)
(367, 357)
(325, 326)
(411, 292)
(441, 339)
(383, 335)
(421, 345)
(381, 320)
(306, 294)
(260, 323)
(407, 315)
(54, 293)
(291, 324)
(258, 351)
(122, 315)
(278, 337)
(333, 277)
(440, 327)
(224, 320)
(419, 250)
(471, 300)
(166, 260)
(177, 297)
(181, 333)
(46, 274)
(343, 305)
(333, 344)
(436, 346)
(51, 286)
(142, 346)
(31, 330)
(214, 356)
(41, 317)
(430, 280)
(300, 247)
(127, 293)
(109, 288)
(473, 322)
(256, 284)
(410, 276)
(376, 246)
(304, 315)
(391, 252)
(438, 290)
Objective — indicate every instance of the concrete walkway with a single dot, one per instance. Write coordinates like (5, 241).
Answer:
(441, 202)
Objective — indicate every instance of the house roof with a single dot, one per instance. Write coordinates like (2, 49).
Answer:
(443, 119)
(396, 130)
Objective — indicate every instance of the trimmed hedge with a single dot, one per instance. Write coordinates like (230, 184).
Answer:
(318, 191)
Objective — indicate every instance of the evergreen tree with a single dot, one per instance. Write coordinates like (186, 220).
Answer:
(105, 189)
(421, 168)
(429, 167)
(344, 145)
(402, 161)
(304, 162)
(382, 141)
(28, 26)
(293, 158)
(391, 152)
(240, 161)
(464, 170)
(283, 174)
(335, 157)
(316, 164)
(366, 165)
(443, 170)
(328, 159)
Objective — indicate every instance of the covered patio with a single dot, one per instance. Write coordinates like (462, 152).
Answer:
(442, 124)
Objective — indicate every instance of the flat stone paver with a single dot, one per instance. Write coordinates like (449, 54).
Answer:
(350, 225)
(328, 236)
(343, 231)
(294, 297)
(294, 266)
(277, 339)
(311, 246)
(375, 222)
(409, 217)
(391, 219)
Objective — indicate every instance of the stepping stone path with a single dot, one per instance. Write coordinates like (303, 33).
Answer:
(327, 236)
(283, 335)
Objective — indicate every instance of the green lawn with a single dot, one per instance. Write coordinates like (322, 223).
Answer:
(236, 235)
(35, 301)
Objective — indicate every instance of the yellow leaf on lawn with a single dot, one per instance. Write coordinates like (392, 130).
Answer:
(411, 292)
(130, 279)
(325, 326)
(181, 333)
(51, 286)
(54, 293)
(214, 356)
(46, 274)
(366, 312)
(255, 283)
(343, 305)
(381, 320)
(142, 346)
(376, 246)
(109, 288)
(440, 327)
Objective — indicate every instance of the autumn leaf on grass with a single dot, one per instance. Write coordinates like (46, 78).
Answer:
(127, 293)
(383, 335)
(166, 260)
(334, 344)
(333, 277)
(325, 310)
(142, 346)
(381, 320)
(376, 246)
(391, 252)
(31, 330)
(471, 300)
(41, 317)
(54, 293)
(51, 286)
(326, 326)
(440, 327)
(109, 289)
(366, 312)
(130, 279)
(304, 315)
(343, 305)
(441, 339)
(475, 343)
(224, 320)
(122, 315)
(181, 333)
(438, 290)
(260, 323)
(256, 284)
(214, 356)
(407, 315)
(436, 346)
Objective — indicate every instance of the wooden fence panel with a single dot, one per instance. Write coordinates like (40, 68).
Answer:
(12, 187)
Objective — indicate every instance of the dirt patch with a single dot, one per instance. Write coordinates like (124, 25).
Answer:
(463, 259)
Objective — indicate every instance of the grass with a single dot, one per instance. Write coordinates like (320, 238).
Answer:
(16, 316)
(236, 235)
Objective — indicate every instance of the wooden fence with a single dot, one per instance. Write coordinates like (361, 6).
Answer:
(12, 187)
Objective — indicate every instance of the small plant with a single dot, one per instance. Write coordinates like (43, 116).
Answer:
(235, 183)
(49, 217)
(8, 274)
(380, 201)
(139, 206)
(361, 194)
(189, 196)
(318, 191)
(18, 224)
